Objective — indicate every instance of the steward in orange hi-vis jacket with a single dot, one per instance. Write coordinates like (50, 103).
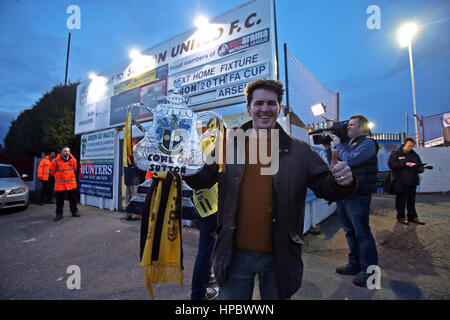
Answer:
(44, 168)
(64, 172)
(46, 178)
(63, 169)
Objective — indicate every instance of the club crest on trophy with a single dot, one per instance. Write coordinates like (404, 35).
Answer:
(172, 143)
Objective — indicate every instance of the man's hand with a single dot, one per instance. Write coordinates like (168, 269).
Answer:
(336, 139)
(341, 171)
(411, 164)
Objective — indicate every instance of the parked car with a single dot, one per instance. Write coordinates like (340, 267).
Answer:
(13, 191)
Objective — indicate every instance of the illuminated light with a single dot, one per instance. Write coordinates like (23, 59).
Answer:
(97, 79)
(135, 54)
(97, 88)
(371, 125)
(201, 22)
(141, 63)
(318, 109)
(406, 34)
(205, 31)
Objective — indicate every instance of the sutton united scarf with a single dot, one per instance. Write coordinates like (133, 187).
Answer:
(205, 201)
(127, 142)
(161, 250)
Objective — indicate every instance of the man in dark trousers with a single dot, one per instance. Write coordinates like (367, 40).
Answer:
(46, 178)
(63, 168)
(406, 166)
(360, 152)
(261, 212)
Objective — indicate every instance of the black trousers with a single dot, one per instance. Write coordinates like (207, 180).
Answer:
(47, 190)
(406, 199)
(60, 196)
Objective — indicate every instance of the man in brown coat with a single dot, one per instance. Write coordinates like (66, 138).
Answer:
(260, 216)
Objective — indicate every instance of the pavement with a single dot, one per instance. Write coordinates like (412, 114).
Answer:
(36, 252)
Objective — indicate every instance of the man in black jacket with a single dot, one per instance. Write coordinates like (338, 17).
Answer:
(260, 215)
(360, 152)
(406, 166)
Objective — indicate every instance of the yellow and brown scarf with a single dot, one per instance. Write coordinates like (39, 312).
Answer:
(127, 142)
(161, 250)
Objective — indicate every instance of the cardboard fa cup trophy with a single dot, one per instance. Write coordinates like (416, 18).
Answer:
(172, 143)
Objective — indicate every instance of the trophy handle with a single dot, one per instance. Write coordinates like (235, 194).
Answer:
(201, 114)
(212, 132)
(139, 105)
(135, 122)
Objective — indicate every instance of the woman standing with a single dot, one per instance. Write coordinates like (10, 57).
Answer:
(406, 166)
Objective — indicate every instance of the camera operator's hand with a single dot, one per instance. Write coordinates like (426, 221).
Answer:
(341, 171)
(336, 139)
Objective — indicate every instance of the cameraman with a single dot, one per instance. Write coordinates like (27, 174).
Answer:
(405, 166)
(360, 153)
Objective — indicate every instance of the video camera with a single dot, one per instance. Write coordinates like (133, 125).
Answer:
(425, 166)
(339, 129)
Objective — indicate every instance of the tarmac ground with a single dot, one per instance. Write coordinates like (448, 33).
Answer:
(36, 253)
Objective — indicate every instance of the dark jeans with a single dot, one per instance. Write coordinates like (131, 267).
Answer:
(60, 195)
(354, 216)
(406, 198)
(202, 267)
(245, 265)
(47, 190)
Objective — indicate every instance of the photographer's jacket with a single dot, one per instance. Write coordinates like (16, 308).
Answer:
(360, 153)
(299, 167)
(402, 174)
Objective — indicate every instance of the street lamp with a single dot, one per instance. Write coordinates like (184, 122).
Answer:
(406, 34)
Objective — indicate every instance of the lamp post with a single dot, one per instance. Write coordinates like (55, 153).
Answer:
(67, 60)
(405, 35)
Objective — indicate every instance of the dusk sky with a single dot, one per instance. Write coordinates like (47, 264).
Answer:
(367, 67)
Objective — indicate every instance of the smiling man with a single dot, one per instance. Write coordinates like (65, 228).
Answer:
(260, 217)
(264, 107)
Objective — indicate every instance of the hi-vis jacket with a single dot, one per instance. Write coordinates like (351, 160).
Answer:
(43, 172)
(64, 173)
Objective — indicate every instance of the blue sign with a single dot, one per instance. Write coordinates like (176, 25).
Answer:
(96, 178)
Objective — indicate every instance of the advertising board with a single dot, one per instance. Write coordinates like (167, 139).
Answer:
(212, 65)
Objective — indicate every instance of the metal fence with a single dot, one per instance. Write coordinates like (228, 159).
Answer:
(430, 128)
(303, 90)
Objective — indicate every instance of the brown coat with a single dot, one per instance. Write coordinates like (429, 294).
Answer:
(300, 167)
